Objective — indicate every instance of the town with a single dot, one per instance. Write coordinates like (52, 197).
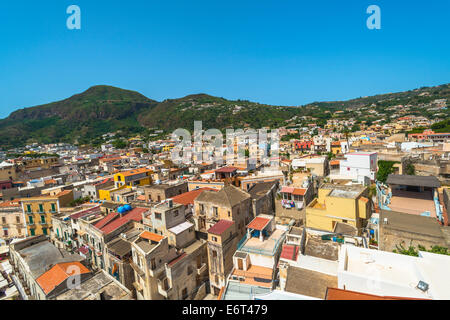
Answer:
(344, 215)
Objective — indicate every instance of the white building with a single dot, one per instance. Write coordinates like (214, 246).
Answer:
(390, 274)
(359, 165)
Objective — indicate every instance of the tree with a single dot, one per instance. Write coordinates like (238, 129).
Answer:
(385, 168)
(119, 144)
(410, 170)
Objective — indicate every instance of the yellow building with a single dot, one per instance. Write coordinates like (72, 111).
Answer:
(38, 211)
(105, 194)
(45, 163)
(168, 147)
(338, 203)
(133, 178)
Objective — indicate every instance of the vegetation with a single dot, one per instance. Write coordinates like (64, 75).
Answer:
(385, 168)
(410, 169)
(412, 251)
(85, 117)
(119, 144)
(79, 201)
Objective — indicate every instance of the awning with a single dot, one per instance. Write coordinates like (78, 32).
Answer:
(287, 189)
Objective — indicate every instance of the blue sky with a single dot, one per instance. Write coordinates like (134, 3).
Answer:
(277, 52)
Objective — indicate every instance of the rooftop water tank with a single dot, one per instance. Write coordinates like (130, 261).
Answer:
(121, 209)
(127, 207)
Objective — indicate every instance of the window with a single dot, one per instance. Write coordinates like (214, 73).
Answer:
(44, 230)
(54, 206)
(215, 211)
(42, 219)
(202, 208)
(32, 232)
(41, 208)
(30, 219)
(5, 232)
(189, 270)
(229, 214)
(28, 207)
(175, 213)
(158, 216)
(214, 239)
(17, 220)
(3, 220)
(214, 254)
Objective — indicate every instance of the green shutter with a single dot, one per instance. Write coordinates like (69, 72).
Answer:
(41, 208)
(53, 207)
(32, 232)
(28, 207)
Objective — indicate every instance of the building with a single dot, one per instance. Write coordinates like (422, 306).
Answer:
(33, 257)
(339, 204)
(222, 244)
(230, 203)
(411, 194)
(11, 220)
(396, 275)
(359, 165)
(160, 192)
(38, 211)
(133, 178)
(256, 258)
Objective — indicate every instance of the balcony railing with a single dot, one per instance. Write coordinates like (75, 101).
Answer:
(202, 269)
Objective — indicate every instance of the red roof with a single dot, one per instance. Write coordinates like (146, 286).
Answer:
(151, 236)
(289, 252)
(106, 220)
(220, 227)
(258, 223)
(226, 170)
(340, 294)
(287, 189)
(299, 191)
(50, 279)
(174, 261)
(189, 197)
(80, 214)
(111, 225)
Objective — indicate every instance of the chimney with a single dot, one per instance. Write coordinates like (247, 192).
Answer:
(170, 203)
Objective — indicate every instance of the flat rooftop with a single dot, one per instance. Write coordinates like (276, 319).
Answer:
(411, 202)
(316, 247)
(268, 246)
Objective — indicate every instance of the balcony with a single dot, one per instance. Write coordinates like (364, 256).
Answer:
(202, 269)
(163, 288)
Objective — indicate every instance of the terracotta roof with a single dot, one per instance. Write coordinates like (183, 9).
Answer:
(189, 197)
(12, 203)
(340, 294)
(226, 170)
(299, 191)
(135, 215)
(220, 227)
(289, 252)
(106, 220)
(335, 162)
(258, 223)
(141, 198)
(135, 171)
(151, 236)
(49, 280)
(179, 258)
(287, 189)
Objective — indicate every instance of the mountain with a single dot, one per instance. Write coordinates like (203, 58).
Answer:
(84, 117)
